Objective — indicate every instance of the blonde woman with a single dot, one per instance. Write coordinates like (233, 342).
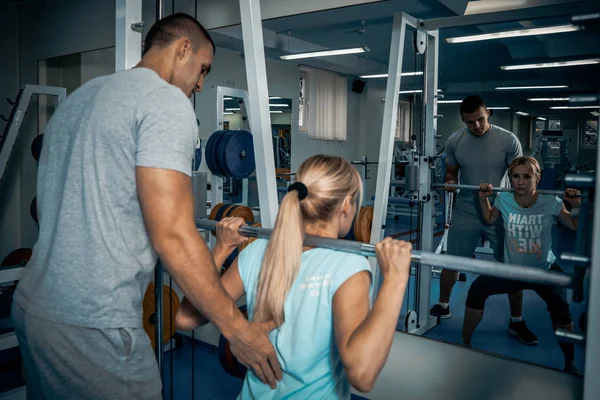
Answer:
(326, 337)
(528, 220)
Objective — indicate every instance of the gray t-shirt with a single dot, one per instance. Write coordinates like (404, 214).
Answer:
(93, 259)
(483, 159)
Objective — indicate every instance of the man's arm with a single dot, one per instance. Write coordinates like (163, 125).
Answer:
(167, 205)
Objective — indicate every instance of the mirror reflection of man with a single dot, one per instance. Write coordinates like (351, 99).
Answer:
(480, 152)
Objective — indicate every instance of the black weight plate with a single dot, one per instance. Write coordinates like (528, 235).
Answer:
(33, 209)
(36, 147)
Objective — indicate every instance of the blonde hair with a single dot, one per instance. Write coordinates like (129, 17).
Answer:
(530, 162)
(329, 181)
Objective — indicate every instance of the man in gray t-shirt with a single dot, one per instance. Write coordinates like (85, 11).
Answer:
(479, 153)
(114, 194)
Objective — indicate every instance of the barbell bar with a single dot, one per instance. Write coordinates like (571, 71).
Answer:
(455, 263)
(494, 189)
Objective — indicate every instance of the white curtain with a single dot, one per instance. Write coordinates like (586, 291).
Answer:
(329, 108)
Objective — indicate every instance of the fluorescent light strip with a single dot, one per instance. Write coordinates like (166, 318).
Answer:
(276, 112)
(228, 113)
(232, 109)
(541, 118)
(552, 64)
(274, 98)
(386, 75)
(522, 113)
(449, 101)
(339, 52)
(516, 33)
(574, 107)
(549, 99)
(414, 91)
(498, 108)
(530, 87)
(227, 98)
(278, 105)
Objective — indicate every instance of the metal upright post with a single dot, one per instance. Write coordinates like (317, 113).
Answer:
(591, 385)
(426, 168)
(260, 118)
(386, 147)
(216, 182)
(128, 36)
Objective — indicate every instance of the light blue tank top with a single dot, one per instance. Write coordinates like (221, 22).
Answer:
(305, 342)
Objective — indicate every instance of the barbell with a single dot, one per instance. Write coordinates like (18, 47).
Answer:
(494, 189)
(454, 263)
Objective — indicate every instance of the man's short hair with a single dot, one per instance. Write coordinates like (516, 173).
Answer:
(471, 104)
(174, 27)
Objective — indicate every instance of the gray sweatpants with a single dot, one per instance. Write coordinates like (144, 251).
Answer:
(70, 362)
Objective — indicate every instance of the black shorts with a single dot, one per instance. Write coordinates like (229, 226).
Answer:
(554, 297)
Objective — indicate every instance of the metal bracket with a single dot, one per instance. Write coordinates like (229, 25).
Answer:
(420, 41)
(138, 26)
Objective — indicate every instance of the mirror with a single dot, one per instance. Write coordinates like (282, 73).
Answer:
(234, 117)
(561, 139)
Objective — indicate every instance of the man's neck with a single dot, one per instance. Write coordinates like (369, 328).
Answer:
(489, 128)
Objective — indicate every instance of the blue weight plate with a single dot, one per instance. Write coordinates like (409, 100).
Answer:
(221, 152)
(210, 152)
(197, 158)
(238, 154)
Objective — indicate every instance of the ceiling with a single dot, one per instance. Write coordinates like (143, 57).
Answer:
(463, 68)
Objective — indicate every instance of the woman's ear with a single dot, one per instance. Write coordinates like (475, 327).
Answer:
(346, 205)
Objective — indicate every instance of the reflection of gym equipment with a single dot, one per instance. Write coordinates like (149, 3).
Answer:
(455, 263)
(555, 156)
(13, 126)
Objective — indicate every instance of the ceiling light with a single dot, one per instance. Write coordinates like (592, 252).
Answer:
(449, 101)
(522, 113)
(278, 105)
(498, 108)
(573, 107)
(552, 64)
(549, 99)
(325, 53)
(228, 113)
(414, 91)
(227, 98)
(530, 87)
(276, 112)
(541, 118)
(274, 98)
(516, 33)
(232, 109)
(386, 75)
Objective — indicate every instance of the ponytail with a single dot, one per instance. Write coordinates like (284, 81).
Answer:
(281, 261)
(323, 183)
